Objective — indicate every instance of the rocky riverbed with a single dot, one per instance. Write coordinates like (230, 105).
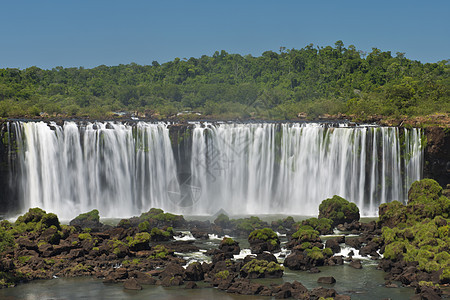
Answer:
(409, 242)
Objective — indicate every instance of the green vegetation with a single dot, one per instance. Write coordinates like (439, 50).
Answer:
(266, 235)
(306, 234)
(312, 80)
(227, 241)
(157, 217)
(161, 235)
(322, 225)
(248, 224)
(85, 236)
(6, 239)
(338, 210)
(159, 251)
(419, 232)
(92, 216)
(318, 255)
(34, 220)
(222, 220)
(222, 274)
(259, 267)
(139, 238)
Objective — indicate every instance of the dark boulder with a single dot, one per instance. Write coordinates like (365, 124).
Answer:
(194, 272)
(87, 220)
(267, 256)
(356, 264)
(171, 270)
(327, 280)
(333, 244)
(132, 284)
(143, 278)
(263, 240)
(338, 210)
(322, 292)
(228, 245)
(296, 261)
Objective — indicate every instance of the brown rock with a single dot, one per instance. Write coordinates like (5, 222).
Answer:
(132, 284)
(191, 285)
(356, 264)
(143, 278)
(322, 292)
(327, 280)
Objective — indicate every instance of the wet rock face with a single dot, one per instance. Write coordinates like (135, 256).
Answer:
(437, 155)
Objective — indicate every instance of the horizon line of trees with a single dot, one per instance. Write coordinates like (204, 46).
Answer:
(312, 80)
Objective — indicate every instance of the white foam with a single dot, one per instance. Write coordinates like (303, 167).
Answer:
(186, 236)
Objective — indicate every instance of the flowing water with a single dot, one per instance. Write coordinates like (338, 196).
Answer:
(253, 168)
(363, 284)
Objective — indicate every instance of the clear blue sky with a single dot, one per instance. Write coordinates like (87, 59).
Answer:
(91, 33)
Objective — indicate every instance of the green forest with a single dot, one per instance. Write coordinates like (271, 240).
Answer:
(282, 85)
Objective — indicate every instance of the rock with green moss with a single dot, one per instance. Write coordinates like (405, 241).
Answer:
(6, 239)
(304, 234)
(159, 252)
(261, 269)
(283, 225)
(144, 226)
(322, 225)
(159, 235)
(35, 220)
(424, 201)
(33, 215)
(158, 218)
(424, 189)
(418, 233)
(140, 241)
(247, 225)
(87, 220)
(223, 221)
(228, 245)
(51, 235)
(263, 240)
(338, 210)
(391, 214)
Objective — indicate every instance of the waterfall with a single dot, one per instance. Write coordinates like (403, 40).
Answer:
(254, 168)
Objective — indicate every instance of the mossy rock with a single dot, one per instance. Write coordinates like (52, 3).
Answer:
(92, 216)
(33, 215)
(159, 252)
(90, 219)
(322, 225)
(248, 225)
(338, 210)
(157, 218)
(6, 240)
(159, 235)
(223, 221)
(306, 234)
(263, 240)
(391, 214)
(424, 189)
(261, 269)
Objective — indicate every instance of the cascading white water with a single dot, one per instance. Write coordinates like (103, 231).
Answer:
(264, 168)
(116, 168)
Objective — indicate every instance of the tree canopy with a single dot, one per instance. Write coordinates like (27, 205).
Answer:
(276, 85)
